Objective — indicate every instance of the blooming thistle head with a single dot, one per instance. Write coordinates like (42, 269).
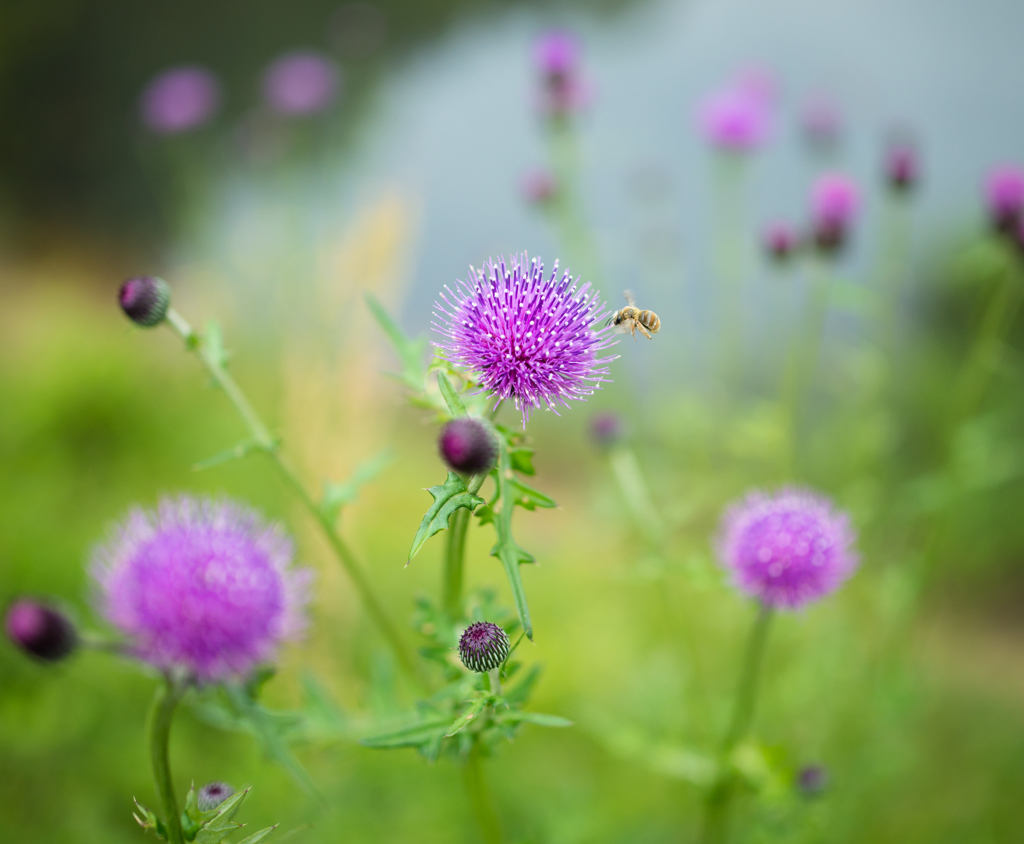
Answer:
(145, 300)
(300, 84)
(835, 204)
(556, 54)
(179, 99)
(201, 586)
(1004, 197)
(212, 794)
(787, 549)
(780, 240)
(736, 119)
(40, 630)
(526, 336)
(468, 445)
(484, 646)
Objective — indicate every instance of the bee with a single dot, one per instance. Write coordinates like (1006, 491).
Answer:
(630, 318)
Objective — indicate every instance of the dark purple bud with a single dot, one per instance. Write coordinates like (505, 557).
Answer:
(606, 429)
(484, 646)
(780, 240)
(902, 167)
(212, 794)
(812, 780)
(145, 300)
(468, 446)
(40, 631)
(1004, 196)
(835, 205)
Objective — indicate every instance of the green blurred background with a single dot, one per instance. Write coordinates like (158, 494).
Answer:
(908, 685)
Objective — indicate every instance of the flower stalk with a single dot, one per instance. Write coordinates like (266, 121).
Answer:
(165, 701)
(483, 809)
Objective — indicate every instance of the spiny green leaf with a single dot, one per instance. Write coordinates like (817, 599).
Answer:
(514, 716)
(448, 497)
(530, 498)
(522, 460)
(257, 837)
(410, 351)
(451, 398)
(335, 496)
(412, 736)
(475, 708)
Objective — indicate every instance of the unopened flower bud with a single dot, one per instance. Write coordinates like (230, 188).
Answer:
(40, 631)
(468, 446)
(1004, 196)
(835, 204)
(780, 240)
(212, 795)
(145, 300)
(812, 780)
(606, 429)
(902, 167)
(484, 646)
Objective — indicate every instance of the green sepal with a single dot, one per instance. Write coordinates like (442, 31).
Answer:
(451, 398)
(410, 352)
(475, 708)
(149, 821)
(448, 497)
(336, 495)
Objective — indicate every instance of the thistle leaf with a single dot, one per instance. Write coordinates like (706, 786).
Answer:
(514, 716)
(257, 837)
(410, 352)
(448, 497)
(451, 397)
(412, 736)
(475, 708)
(335, 496)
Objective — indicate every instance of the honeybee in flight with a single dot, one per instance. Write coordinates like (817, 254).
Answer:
(631, 318)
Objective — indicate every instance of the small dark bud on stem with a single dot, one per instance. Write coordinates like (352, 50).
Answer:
(40, 631)
(145, 300)
(812, 780)
(468, 446)
(484, 646)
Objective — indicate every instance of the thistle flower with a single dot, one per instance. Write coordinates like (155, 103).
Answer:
(40, 630)
(835, 203)
(1004, 197)
(201, 586)
(525, 337)
(212, 794)
(787, 549)
(556, 54)
(780, 240)
(735, 119)
(606, 429)
(300, 84)
(484, 646)
(902, 166)
(179, 99)
(145, 300)
(468, 445)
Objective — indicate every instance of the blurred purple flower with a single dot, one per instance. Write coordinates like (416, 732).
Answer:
(780, 240)
(179, 99)
(557, 55)
(735, 120)
(526, 337)
(538, 186)
(201, 586)
(812, 780)
(758, 82)
(1004, 196)
(606, 429)
(835, 204)
(40, 630)
(821, 121)
(301, 83)
(902, 166)
(787, 549)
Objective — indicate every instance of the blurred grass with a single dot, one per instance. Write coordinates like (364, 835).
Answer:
(912, 707)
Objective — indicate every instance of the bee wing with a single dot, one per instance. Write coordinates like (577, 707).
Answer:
(630, 298)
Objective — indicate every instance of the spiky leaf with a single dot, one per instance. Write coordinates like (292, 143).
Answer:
(410, 352)
(475, 708)
(448, 497)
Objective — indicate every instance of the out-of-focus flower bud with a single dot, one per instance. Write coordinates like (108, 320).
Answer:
(145, 300)
(212, 794)
(468, 446)
(40, 630)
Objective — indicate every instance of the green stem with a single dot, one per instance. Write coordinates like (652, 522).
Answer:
(270, 445)
(454, 555)
(719, 799)
(160, 716)
(479, 799)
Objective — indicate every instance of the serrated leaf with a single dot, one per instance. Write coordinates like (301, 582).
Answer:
(451, 398)
(448, 497)
(522, 460)
(475, 708)
(530, 498)
(541, 719)
(335, 496)
(412, 736)
(410, 352)
(485, 514)
(257, 837)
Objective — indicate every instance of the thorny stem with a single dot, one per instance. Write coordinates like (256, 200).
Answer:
(719, 798)
(270, 445)
(479, 799)
(160, 716)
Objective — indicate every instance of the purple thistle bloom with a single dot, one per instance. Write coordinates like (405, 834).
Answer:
(179, 99)
(787, 549)
(835, 203)
(301, 83)
(735, 119)
(557, 53)
(1004, 196)
(526, 337)
(201, 586)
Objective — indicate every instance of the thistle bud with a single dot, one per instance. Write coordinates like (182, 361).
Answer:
(468, 446)
(40, 631)
(145, 300)
(902, 166)
(780, 240)
(484, 646)
(811, 780)
(212, 794)
(606, 429)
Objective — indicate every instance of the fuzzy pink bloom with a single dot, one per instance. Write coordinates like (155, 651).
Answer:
(1004, 195)
(787, 549)
(557, 53)
(835, 204)
(735, 119)
(179, 99)
(301, 83)
(201, 586)
(564, 89)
